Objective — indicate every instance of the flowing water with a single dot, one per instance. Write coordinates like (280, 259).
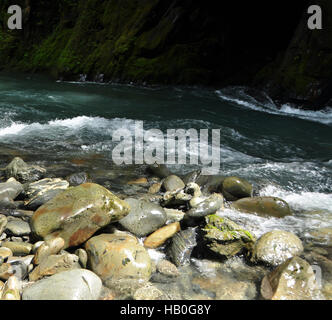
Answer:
(284, 152)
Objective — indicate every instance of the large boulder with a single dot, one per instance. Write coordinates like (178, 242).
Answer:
(275, 247)
(144, 217)
(77, 213)
(117, 256)
(293, 280)
(77, 284)
(234, 188)
(22, 172)
(264, 206)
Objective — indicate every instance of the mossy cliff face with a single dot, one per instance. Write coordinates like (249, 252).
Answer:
(127, 40)
(177, 42)
(303, 73)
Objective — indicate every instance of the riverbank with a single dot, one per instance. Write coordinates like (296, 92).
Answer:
(161, 238)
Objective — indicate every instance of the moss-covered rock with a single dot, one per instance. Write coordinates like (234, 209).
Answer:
(224, 237)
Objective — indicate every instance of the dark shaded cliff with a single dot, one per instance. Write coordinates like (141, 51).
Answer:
(175, 42)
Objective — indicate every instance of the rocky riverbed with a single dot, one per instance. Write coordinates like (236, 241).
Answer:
(161, 237)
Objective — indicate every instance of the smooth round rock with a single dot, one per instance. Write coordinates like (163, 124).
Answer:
(116, 256)
(10, 189)
(173, 183)
(69, 285)
(276, 247)
(77, 213)
(5, 253)
(234, 188)
(209, 206)
(293, 280)
(144, 217)
(47, 248)
(264, 206)
(18, 248)
(159, 237)
(18, 228)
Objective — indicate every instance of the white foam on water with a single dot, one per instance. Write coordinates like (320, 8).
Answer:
(238, 96)
(301, 201)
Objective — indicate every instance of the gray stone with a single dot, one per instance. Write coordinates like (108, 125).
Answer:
(10, 189)
(42, 191)
(143, 218)
(77, 284)
(173, 183)
(23, 172)
(18, 228)
(276, 247)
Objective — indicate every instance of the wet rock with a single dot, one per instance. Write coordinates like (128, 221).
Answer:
(224, 237)
(10, 189)
(148, 292)
(124, 289)
(155, 188)
(11, 290)
(54, 264)
(292, 280)
(22, 172)
(77, 213)
(234, 188)
(69, 285)
(182, 246)
(175, 199)
(159, 237)
(3, 223)
(5, 253)
(160, 171)
(17, 268)
(43, 191)
(265, 206)
(275, 247)
(144, 217)
(47, 248)
(226, 288)
(82, 257)
(174, 215)
(18, 227)
(173, 183)
(206, 207)
(114, 256)
(77, 179)
(140, 181)
(18, 248)
(168, 269)
(322, 236)
(191, 176)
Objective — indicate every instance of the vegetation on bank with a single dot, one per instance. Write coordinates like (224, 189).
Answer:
(169, 42)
